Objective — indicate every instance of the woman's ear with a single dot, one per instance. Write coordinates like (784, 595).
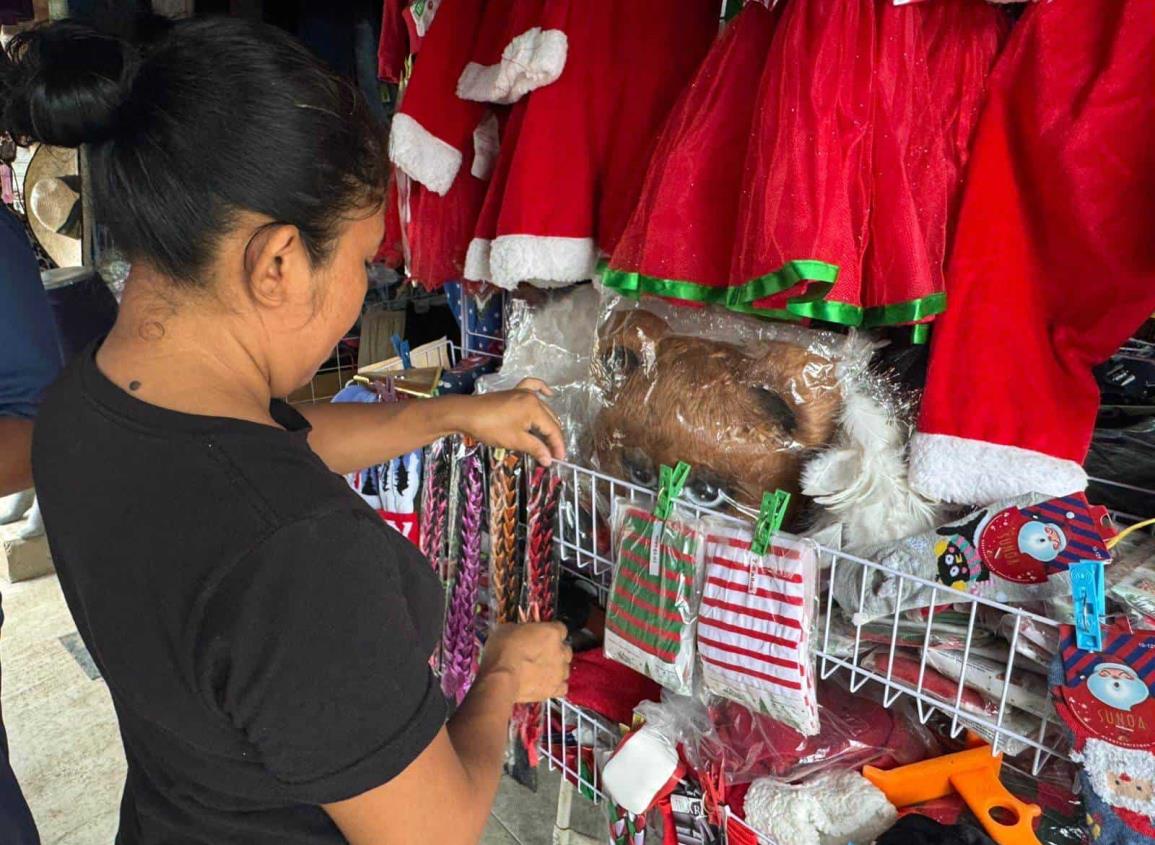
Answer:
(276, 265)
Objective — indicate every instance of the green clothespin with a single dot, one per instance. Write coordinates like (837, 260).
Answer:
(671, 482)
(770, 517)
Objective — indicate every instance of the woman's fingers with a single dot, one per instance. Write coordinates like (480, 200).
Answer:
(535, 385)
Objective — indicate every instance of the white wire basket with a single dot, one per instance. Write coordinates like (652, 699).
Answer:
(585, 549)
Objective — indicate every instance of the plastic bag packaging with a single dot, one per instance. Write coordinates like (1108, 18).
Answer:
(1013, 551)
(646, 764)
(435, 501)
(1131, 580)
(459, 644)
(854, 729)
(749, 405)
(756, 622)
(548, 337)
(833, 808)
(653, 604)
(504, 563)
(906, 667)
(539, 585)
(1027, 690)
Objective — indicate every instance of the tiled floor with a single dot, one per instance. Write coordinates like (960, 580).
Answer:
(66, 749)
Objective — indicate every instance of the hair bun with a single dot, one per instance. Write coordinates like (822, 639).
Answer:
(64, 84)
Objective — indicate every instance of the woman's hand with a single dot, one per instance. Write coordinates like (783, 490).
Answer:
(536, 657)
(517, 419)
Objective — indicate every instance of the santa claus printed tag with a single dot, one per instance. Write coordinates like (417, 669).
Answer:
(1107, 700)
(1014, 551)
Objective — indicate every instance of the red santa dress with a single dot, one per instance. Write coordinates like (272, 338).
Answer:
(574, 153)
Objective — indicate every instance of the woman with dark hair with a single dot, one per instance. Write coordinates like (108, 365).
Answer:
(264, 636)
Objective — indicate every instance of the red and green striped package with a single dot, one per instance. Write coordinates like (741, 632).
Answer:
(653, 603)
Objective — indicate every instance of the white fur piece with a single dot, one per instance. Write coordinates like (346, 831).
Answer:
(975, 472)
(531, 60)
(832, 809)
(861, 480)
(1104, 763)
(477, 260)
(422, 155)
(543, 261)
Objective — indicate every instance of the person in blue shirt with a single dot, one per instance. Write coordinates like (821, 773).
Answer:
(29, 361)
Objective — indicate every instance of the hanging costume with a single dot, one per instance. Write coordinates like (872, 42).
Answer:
(828, 183)
(1053, 261)
(573, 153)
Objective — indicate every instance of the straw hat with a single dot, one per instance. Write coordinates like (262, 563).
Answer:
(52, 202)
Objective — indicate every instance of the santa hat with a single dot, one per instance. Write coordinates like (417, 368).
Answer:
(1052, 266)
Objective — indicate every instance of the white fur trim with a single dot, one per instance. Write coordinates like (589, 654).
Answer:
(975, 472)
(486, 145)
(543, 261)
(531, 60)
(422, 155)
(477, 260)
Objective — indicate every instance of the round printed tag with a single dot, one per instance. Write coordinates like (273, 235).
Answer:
(1014, 546)
(1114, 704)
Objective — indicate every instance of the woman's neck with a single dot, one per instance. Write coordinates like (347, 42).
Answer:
(185, 351)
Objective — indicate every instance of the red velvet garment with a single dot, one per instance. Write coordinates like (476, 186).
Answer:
(574, 155)
(1053, 262)
(433, 127)
(607, 687)
(393, 45)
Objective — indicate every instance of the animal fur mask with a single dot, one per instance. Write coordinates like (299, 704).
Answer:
(744, 416)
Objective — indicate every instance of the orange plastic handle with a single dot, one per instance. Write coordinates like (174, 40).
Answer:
(973, 774)
(984, 793)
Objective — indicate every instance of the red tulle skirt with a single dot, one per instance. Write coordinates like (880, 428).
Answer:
(857, 118)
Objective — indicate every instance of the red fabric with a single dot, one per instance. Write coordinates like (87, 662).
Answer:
(393, 46)
(683, 225)
(574, 153)
(405, 524)
(1053, 264)
(862, 117)
(440, 227)
(906, 668)
(607, 687)
(390, 252)
(430, 97)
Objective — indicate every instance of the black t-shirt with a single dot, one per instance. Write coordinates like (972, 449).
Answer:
(264, 635)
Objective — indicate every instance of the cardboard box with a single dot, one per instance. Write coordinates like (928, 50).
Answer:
(20, 559)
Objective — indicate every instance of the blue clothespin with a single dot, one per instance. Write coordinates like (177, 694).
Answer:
(401, 347)
(1088, 588)
(770, 518)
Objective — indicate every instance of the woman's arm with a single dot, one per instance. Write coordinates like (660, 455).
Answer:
(446, 794)
(349, 437)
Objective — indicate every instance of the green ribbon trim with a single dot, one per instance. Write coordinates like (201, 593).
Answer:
(792, 273)
(815, 306)
(812, 304)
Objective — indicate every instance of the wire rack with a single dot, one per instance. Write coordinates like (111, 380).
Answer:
(583, 544)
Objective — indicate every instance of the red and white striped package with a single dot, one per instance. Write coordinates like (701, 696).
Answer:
(755, 624)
